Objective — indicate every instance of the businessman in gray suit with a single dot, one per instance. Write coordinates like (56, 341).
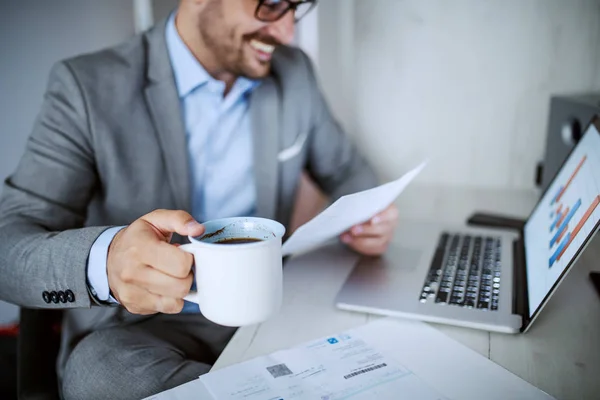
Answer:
(208, 114)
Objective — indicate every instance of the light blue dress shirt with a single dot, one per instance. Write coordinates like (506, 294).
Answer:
(219, 145)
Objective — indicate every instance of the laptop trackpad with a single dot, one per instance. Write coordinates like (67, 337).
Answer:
(399, 257)
(379, 280)
(395, 265)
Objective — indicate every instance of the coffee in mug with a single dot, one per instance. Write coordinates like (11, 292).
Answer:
(238, 270)
(238, 241)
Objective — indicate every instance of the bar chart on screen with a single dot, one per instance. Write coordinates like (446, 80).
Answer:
(565, 218)
(574, 203)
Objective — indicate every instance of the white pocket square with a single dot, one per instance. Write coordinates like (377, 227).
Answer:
(294, 149)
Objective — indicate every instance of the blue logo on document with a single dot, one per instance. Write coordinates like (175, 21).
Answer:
(332, 340)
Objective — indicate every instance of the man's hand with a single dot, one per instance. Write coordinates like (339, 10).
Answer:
(373, 237)
(146, 273)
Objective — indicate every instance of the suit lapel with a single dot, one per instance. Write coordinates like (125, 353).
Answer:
(264, 112)
(165, 110)
(164, 105)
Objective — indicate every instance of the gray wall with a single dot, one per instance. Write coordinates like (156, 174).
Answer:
(33, 35)
(465, 83)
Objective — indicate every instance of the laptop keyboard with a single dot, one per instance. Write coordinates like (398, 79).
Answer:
(464, 272)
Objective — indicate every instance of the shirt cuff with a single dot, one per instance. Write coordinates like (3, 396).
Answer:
(96, 269)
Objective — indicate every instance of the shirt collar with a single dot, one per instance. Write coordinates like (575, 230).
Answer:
(189, 73)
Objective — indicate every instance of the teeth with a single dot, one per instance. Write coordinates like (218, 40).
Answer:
(266, 48)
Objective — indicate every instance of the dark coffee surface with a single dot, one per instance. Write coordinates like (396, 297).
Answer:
(238, 240)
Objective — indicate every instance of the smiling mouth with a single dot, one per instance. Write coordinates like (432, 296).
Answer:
(264, 50)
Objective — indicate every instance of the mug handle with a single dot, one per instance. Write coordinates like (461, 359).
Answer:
(192, 296)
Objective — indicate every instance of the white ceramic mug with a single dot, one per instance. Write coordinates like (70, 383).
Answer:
(238, 284)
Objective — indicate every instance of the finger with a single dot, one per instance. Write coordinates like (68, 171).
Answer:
(372, 230)
(369, 245)
(158, 283)
(346, 237)
(380, 224)
(390, 214)
(169, 221)
(138, 300)
(168, 259)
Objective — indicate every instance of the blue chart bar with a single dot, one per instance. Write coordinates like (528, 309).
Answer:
(560, 189)
(558, 217)
(569, 216)
(556, 237)
(559, 250)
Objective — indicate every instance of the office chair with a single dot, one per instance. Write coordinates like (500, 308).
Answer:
(37, 350)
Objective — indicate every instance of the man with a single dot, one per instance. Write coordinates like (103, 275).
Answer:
(135, 144)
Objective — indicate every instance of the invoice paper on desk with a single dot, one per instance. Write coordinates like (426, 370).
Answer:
(332, 368)
(385, 359)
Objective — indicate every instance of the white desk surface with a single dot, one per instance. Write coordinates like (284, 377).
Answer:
(560, 354)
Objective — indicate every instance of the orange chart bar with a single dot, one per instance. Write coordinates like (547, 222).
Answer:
(582, 222)
(562, 217)
(557, 217)
(571, 179)
(562, 234)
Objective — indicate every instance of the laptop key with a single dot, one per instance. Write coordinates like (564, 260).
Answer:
(435, 269)
(464, 272)
(442, 297)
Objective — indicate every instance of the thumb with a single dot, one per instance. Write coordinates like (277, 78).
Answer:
(170, 221)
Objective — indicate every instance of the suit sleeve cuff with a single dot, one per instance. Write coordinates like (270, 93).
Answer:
(96, 269)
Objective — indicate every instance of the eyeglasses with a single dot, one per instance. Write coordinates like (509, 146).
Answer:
(272, 10)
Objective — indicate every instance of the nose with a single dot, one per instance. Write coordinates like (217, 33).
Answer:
(283, 28)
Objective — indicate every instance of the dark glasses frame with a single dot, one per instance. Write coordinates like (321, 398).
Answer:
(291, 5)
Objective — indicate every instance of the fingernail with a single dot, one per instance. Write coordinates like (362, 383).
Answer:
(357, 230)
(193, 225)
(375, 220)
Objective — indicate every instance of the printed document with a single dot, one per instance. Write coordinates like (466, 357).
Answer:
(388, 359)
(338, 367)
(346, 212)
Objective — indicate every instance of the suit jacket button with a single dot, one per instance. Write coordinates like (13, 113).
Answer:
(70, 296)
(46, 297)
(62, 297)
(54, 297)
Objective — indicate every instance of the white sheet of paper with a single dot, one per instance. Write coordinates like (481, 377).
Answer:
(334, 368)
(191, 390)
(386, 360)
(346, 212)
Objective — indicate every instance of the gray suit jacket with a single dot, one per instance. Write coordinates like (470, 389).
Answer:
(109, 146)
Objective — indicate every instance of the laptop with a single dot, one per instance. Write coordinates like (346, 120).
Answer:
(495, 279)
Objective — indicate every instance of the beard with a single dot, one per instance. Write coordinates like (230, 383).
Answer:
(232, 52)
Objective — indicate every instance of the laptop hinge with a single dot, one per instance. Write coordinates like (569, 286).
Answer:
(520, 296)
(496, 221)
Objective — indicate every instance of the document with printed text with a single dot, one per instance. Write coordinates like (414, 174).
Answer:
(346, 212)
(387, 359)
(333, 368)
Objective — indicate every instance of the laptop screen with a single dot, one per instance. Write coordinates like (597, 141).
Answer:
(564, 219)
